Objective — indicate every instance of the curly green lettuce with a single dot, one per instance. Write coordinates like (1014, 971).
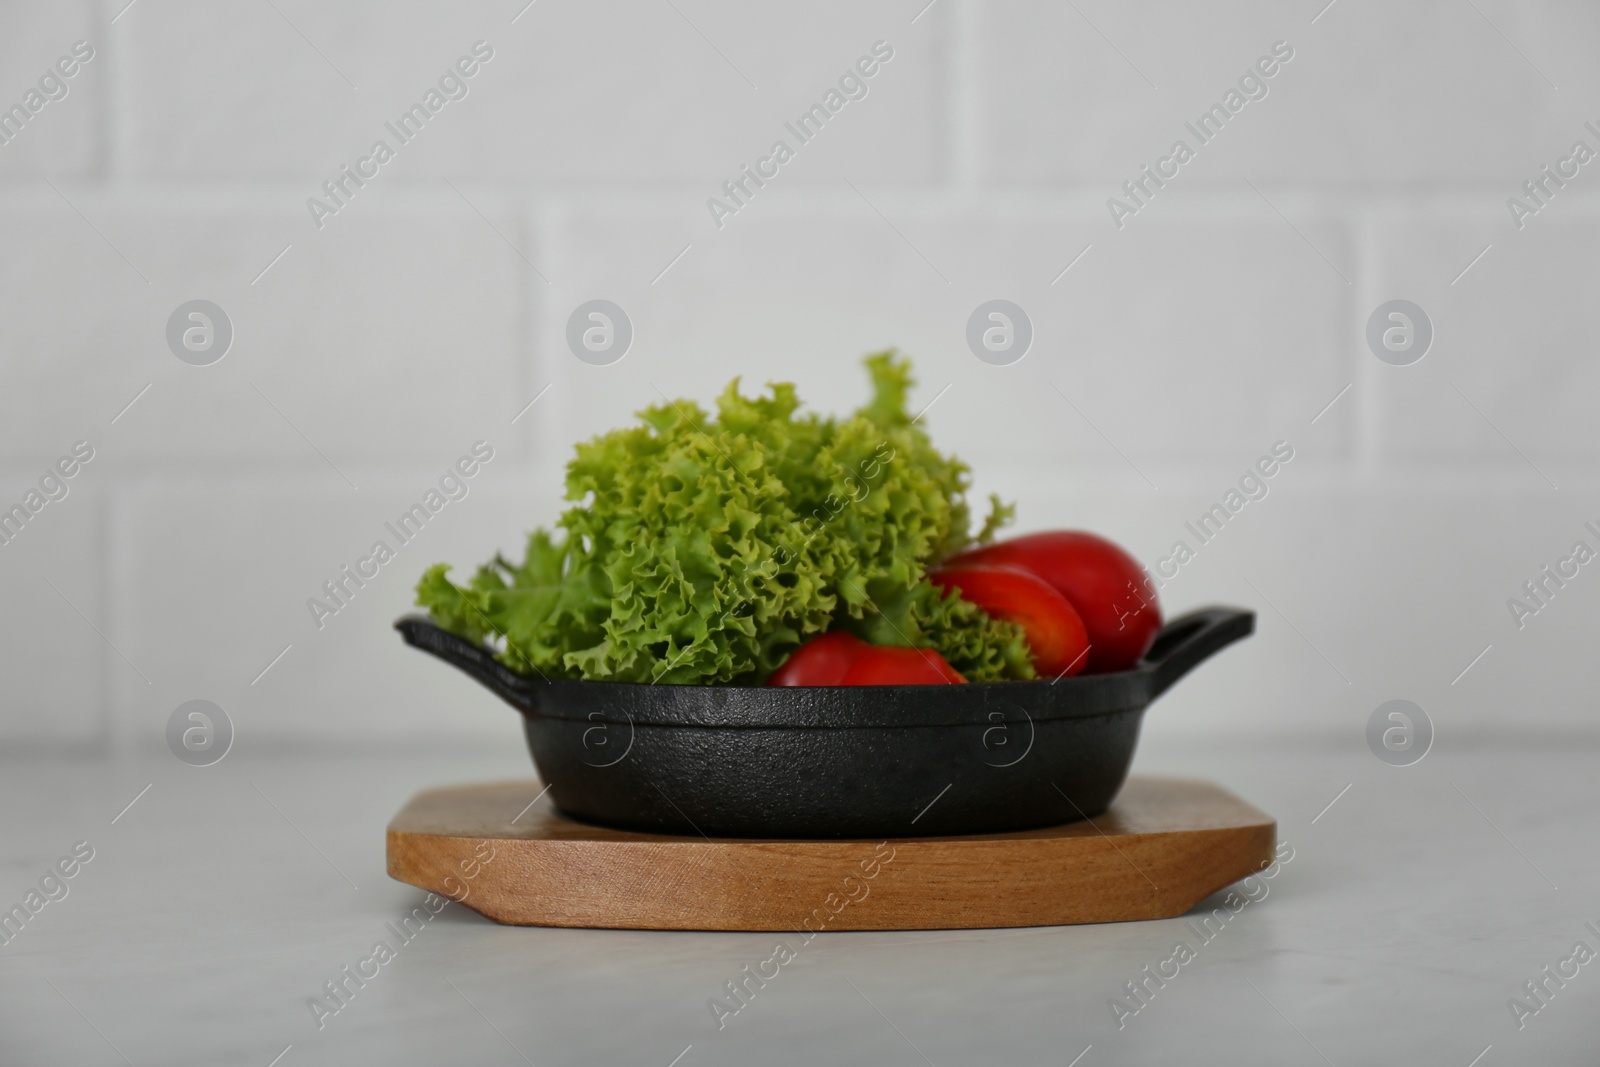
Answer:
(706, 549)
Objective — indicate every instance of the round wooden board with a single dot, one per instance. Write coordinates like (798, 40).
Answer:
(503, 850)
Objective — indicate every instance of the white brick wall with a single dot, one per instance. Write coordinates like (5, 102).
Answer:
(1222, 317)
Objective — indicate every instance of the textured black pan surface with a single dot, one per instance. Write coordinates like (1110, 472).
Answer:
(839, 761)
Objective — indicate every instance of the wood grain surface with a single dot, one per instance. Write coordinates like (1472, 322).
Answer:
(1164, 846)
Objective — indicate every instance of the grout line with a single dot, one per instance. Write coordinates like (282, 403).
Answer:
(97, 629)
(541, 224)
(960, 31)
(896, 229)
(1504, 438)
(98, 230)
(1367, 427)
(1069, 202)
(498, 231)
(1297, 230)
(304, 438)
(112, 735)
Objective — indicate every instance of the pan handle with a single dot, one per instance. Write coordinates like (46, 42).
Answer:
(474, 659)
(1189, 640)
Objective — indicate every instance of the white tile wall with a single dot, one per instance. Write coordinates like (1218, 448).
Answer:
(1222, 317)
(1425, 92)
(65, 136)
(419, 305)
(1509, 340)
(54, 584)
(218, 577)
(615, 94)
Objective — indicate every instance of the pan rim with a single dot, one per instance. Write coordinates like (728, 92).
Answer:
(1072, 715)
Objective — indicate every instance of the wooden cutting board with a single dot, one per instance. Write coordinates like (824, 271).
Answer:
(505, 851)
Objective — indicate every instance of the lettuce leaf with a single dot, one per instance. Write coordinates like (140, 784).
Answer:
(704, 549)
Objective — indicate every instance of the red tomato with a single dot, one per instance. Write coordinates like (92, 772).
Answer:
(1056, 634)
(821, 661)
(1113, 595)
(884, 665)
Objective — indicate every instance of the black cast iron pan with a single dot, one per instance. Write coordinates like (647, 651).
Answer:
(839, 761)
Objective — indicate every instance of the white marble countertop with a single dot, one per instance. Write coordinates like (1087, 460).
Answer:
(218, 904)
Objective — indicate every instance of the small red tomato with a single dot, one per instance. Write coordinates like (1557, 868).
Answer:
(821, 661)
(1113, 595)
(1056, 636)
(886, 665)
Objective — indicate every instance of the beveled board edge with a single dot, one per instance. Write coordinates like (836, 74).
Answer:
(594, 877)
